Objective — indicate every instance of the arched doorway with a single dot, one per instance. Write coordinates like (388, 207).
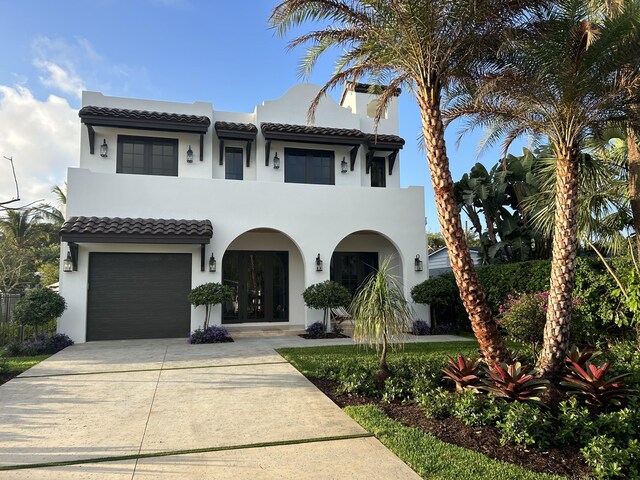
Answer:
(265, 270)
(359, 254)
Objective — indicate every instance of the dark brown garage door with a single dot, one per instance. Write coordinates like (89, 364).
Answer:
(133, 295)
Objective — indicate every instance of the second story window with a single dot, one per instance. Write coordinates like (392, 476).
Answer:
(378, 177)
(147, 156)
(233, 163)
(309, 166)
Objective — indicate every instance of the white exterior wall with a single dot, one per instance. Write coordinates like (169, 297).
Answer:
(312, 219)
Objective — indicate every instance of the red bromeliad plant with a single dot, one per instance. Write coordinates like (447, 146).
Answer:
(464, 372)
(515, 382)
(592, 383)
(581, 356)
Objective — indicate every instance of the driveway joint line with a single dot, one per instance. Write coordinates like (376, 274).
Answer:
(153, 399)
(277, 443)
(162, 368)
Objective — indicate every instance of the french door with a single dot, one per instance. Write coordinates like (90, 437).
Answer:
(260, 284)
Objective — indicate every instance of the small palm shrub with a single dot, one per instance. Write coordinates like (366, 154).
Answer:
(514, 382)
(464, 372)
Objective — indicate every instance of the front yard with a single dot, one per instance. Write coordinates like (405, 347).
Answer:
(445, 435)
(13, 366)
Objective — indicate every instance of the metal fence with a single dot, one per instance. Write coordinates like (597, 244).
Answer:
(7, 304)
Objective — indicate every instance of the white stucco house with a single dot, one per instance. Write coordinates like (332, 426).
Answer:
(169, 196)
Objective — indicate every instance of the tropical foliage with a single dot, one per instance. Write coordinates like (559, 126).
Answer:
(382, 314)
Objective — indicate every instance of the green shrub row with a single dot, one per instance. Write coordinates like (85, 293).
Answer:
(594, 284)
(609, 441)
(433, 458)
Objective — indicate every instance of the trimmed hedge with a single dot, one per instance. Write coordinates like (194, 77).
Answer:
(593, 287)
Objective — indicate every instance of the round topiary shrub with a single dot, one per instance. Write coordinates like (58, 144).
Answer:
(326, 295)
(210, 294)
(39, 306)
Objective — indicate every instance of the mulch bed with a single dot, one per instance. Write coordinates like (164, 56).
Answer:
(5, 377)
(326, 336)
(568, 462)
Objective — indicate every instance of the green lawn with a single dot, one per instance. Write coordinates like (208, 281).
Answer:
(432, 458)
(13, 366)
(310, 360)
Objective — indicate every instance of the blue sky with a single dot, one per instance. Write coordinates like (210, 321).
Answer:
(218, 51)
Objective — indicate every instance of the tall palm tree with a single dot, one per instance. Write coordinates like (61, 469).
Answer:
(19, 228)
(423, 46)
(565, 79)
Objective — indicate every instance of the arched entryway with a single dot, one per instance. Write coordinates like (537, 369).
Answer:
(265, 269)
(359, 254)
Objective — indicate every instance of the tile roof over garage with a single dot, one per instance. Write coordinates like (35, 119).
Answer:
(135, 230)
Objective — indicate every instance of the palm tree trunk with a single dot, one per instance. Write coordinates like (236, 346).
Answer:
(473, 298)
(563, 263)
(633, 155)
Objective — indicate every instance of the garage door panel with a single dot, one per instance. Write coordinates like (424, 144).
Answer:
(138, 296)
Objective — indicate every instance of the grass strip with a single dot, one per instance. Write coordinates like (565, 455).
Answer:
(185, 452)
(432, 458)
(148, 370)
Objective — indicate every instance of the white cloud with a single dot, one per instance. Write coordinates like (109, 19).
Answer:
(60, 78)
(43, 139)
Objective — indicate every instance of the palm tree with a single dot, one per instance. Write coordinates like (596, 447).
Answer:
(604, 213)
(382, 314)
(565, 79)
(422, 45)
(20, 228)
(55, 213)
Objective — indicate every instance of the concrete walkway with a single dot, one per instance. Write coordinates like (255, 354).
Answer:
(235, 410)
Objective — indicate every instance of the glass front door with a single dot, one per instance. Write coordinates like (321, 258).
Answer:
(351, 269)
(260, 283)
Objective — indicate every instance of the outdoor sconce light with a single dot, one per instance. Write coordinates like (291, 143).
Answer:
(67, 264)
(343, 165)
(104, 148)
(189, 155)
(418, 264)
(318, 264)
(212, 264)
(276, 161)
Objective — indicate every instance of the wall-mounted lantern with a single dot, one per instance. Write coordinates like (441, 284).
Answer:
(318, 263)
(67, 264)
(343, 165)
(418, 264)
(212, 264)
(276, 161)
(104, 148)
(189, 155)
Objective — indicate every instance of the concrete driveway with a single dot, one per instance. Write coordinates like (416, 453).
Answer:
(165, 409)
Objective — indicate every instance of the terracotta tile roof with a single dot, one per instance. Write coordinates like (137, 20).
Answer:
(142, 115)
(309, 130)
(238, 127)
(93, 228)
(384, 138)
